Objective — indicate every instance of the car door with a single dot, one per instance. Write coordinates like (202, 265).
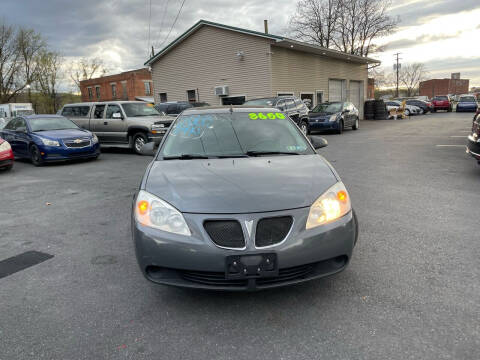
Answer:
(22, 137)
(114, 125)
(8, 133)
(97, 120)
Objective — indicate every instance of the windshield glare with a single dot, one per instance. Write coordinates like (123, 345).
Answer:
(332, 108)
(234, 134)
(43, 124)
(140, 109)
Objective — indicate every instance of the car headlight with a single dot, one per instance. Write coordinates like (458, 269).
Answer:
(158, 128)
(5, 146)
(49, 142)
(155, 213)
(94, 139)
(332, 205)
(333, 118)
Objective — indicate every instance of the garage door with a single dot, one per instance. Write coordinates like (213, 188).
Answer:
(336, 90)
(356, 93)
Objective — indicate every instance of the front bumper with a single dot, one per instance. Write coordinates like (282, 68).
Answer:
(323, 125)
(156, 138)
(469, 108)
(62, 153)
(473, 147)
(197, 262)
(6, 158)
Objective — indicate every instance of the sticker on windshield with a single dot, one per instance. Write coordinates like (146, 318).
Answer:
(267, 116)
(192, 126)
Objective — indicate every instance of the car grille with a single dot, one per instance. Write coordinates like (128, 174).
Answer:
(293, 273)
(211, 278)
(225, 233)
(77, 144)
(271, 231)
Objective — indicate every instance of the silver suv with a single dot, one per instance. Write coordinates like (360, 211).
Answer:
(120, 123)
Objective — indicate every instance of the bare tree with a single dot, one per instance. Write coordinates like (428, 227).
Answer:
(47, 82)
(411, 75)
(351, 26)
(86, 69)
(10, 63)
(315, 21)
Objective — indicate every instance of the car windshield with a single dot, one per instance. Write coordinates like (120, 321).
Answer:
(140, 109)
(261, 102)
(467, 99)
(46, 124)
(441, 98)
(234, 134)
(332, 108)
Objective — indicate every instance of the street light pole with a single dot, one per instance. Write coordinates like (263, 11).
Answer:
(398, 70)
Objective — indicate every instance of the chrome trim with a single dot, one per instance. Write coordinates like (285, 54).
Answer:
(70, 141)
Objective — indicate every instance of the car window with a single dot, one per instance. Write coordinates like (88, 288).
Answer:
(81, 111)
(290, 104)
(467, 99)
(281, 105)
(440, 98)
(139, 109)
(112, 109)
(234, 134)
(67, 111)
(172, 109)
(98, 113)
(11, 125)
(328, 108)
(161, 107)
(20, 124)
(261, 102)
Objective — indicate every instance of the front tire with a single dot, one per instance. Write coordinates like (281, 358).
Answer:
(407, 112)
(340, 127)
(35, 156)
(356, 124)
(139, 139)
(304, 127)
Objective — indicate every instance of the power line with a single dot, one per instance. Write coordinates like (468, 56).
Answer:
(174, 22)
(165, 9)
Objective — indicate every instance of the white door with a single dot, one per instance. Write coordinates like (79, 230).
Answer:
(336, 90)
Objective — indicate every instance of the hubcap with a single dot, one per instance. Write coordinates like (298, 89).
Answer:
(139, 142)
(304, 128)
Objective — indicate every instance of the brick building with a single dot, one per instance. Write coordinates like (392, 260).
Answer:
(453, 86)
(127, 85)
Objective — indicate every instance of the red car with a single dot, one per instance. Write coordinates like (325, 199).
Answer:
(6, 155)
(441, 102)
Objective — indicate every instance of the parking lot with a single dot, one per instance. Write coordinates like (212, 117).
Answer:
(410, 292)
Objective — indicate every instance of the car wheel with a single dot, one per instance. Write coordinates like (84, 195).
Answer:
(421, 112)
(8, 168)
(304, 127)
(35, 156)
(356, 124)
(407, 112)
(340, 127)
(139, 139)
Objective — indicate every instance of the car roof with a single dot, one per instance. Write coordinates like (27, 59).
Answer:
(106, 102)
(42, 116)
(227, 109)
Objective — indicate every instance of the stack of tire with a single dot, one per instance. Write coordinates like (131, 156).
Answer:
(369, 110)
(376, 109)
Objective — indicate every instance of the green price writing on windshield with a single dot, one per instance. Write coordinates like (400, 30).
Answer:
(269, 116)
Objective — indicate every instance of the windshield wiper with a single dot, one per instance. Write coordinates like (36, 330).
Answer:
(185, 157)
(259, 153)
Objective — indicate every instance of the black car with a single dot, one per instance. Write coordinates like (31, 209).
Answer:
(173, 108)
(473, 146)
(290, 105)
(421, 104)
(334, 116)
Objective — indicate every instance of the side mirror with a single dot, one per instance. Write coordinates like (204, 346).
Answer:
(148, 149)
(318, 142)
(21, 129)
(117, 115)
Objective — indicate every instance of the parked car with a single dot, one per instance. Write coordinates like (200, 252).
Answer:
(290, 105)
(120, 123)
(473, 143)
(333, 116)
(409, 109)
(441, 103)
(424, 106)
(222, 205)
(47, 138)
(174, 108)
(423, 98)
(6, 155)
(467, 103)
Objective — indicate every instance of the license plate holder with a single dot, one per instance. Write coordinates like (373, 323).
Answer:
(251, 266)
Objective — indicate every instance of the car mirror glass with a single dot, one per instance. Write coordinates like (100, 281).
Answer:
(148, 149)
(318, 142)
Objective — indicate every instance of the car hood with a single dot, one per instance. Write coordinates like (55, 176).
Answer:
(63, 134)
(467, 103)
(320, 115)
(240, 185)
(153, 119)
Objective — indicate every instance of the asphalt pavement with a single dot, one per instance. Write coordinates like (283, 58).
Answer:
(412, 289)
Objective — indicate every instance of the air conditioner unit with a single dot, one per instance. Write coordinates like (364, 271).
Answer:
(221, 90)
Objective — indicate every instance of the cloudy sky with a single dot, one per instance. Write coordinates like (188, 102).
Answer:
(443, 34)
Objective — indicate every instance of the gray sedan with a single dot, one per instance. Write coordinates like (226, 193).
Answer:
(239, 199)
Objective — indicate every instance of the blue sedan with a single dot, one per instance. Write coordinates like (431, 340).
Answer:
(333, 116)
(467, 103)
(46, 138)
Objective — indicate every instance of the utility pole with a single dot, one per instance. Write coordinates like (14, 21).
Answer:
(397, 67)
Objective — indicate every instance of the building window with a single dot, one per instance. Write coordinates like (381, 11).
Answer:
(191, 95)
(163, 97)
(114, 91)
(97, 91)
(148, 88)
(90, 93)
(124, 90)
